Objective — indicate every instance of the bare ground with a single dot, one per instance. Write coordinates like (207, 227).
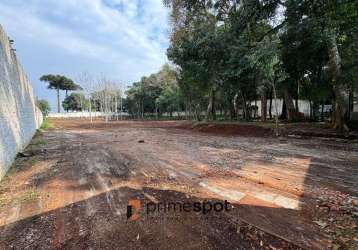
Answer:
(70, 188)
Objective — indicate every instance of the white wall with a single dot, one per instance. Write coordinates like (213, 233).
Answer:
(19, 116)
(303, 106)
(75, 114)
(84, 114)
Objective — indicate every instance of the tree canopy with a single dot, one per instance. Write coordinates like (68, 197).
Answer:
(75, 102)
(155, 94)
(59, 82)
(44, 106)
(234, 52)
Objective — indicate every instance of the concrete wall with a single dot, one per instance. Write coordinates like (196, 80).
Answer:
(84, 114)
(19, 116)
(79, 114)
(303, 106)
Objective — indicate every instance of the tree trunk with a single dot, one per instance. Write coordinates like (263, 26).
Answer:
(291, 111)
(270, 104)
(276, 108)
(315, 110)
(58, 100)
(263, 106)
(197, 111)
(116, 106)
(283, 110)
(339, 107)
(232, 110)
(121, 105)
(211, 113)
(255, 110)
(236, 106)
(297, 95)
(142, 109)
(245, 110)
(90, 109)
(350, 103)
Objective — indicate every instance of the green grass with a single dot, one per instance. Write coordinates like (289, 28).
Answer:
(46, 124)
(39, 142)
(3, 201)
(30, 194)
(33, 162)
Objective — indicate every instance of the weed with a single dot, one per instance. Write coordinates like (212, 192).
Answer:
(4, 184)
(3, 201)
(46, 124)
(33, 162)
(30, 194)
(39, 142)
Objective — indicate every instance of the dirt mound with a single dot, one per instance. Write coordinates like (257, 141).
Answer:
(232, 129)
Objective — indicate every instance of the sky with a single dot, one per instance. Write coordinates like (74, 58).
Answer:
(122, 39)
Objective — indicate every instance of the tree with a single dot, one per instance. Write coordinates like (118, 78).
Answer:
(58, 82)
(106, 96)
(87, 81)
(169, 99)
(44, 106)
(69, 85)
(211, 42)
(75, 102)
(333, 23)
(230, 52)
(154, 94)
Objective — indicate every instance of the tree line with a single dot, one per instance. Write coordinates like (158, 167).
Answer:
(155, 95)
(227, 54)
(99, 94)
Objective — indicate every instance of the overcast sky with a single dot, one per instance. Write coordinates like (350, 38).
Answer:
(124, 39)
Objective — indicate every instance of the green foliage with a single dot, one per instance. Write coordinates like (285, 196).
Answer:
(44, 106)
(154, 95)
(231, 51)
(169, 99)
(75, 102)
(45, 124)
(30, 194)
(59, 82)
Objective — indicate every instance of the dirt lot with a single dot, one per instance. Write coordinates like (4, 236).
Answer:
(70, 189)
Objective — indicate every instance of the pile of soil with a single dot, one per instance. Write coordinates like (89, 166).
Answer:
(232, 129)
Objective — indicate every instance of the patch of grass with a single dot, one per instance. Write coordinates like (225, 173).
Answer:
(39, 142)
(46, 124)
(33, 162)
(3, 201)
(4, 185)
(30, 194)
(14, 169)
(39, 132)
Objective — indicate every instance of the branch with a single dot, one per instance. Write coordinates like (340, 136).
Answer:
(272, 30)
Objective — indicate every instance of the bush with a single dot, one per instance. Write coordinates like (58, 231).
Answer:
(44, 106)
